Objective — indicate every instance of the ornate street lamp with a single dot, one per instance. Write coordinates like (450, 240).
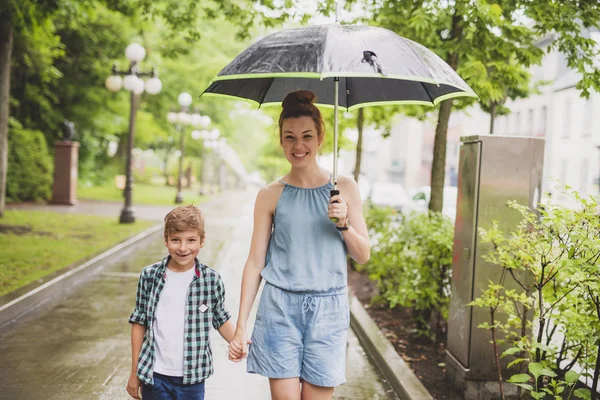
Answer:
(207, 138)
(180, 119)
(216, 144)
(132, 82)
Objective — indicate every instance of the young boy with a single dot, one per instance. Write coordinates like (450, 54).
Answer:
(177, 301)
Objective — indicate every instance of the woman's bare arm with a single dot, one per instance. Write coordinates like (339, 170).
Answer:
(357, 236)
(266, 202)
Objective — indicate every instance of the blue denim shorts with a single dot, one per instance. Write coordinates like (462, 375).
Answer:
(301, 335)
(172, 388)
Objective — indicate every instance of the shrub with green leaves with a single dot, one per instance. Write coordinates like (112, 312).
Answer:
(554, 256)
(411, 261)
(29, 176)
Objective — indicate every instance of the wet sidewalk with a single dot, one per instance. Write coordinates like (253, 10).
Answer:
(79, 348)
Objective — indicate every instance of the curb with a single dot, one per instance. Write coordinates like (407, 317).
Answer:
(404, 382)
(17, 304)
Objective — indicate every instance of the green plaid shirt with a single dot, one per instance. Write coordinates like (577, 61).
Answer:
(206, 289)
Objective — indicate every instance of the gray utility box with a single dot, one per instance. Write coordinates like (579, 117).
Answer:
(492, 171)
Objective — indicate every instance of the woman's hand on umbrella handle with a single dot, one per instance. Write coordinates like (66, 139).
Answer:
(333, 192)
(338, 209)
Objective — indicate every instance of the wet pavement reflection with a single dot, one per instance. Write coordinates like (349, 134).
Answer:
(79, 348)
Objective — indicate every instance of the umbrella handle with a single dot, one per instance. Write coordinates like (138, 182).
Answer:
(334, 192)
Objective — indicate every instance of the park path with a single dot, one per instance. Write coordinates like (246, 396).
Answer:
(78, 347)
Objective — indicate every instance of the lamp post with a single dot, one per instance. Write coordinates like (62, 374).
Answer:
(181, 119)
(205, 136)
(218, 146)
(222, 167)
(132, 82)
(211, 142)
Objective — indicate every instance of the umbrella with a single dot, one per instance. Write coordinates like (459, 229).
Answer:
(348, 66)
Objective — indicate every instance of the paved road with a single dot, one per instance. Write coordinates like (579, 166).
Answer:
(79, 347)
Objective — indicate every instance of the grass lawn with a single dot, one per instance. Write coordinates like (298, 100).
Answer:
(53, 242)
(142, 194)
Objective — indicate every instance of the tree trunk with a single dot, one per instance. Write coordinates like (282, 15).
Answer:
(360, 122)
(438, 166)
(166, 168)
(492, 117)
(6, 45)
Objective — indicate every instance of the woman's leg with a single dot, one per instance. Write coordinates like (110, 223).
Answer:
(312, 392)
(285, 389)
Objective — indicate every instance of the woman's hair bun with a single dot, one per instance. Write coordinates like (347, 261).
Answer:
(299, 98)
(300, 104)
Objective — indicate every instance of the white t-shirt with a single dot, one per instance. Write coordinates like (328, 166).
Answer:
(169, 324)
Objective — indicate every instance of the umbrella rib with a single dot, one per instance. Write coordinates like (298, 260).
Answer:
(423, 61)
(265, 91)
(427, 92)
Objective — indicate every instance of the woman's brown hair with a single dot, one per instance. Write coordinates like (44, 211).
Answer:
(300, 104)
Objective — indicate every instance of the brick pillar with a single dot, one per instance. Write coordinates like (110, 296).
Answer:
(64, 190)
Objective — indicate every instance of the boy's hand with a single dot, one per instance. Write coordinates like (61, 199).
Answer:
(238, 347)
(236, 352)
(134, 386)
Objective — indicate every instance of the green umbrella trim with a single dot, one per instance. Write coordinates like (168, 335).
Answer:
(354, 107)
(314, 75)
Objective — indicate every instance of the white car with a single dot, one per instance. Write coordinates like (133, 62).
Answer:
(388, 194)
(422, 196)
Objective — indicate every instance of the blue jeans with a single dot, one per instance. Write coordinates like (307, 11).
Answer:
(172, 388)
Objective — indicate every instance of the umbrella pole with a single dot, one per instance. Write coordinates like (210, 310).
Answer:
(335, 129)
(336, 91)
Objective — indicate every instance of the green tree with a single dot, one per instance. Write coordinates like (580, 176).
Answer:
(481, 34)
(14, 18)
(48, 40)
(492, 32)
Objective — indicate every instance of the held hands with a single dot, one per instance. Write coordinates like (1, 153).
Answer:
(134, 386)
(338, 208)
(238, 347)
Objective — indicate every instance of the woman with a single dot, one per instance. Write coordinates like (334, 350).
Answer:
(299, 338)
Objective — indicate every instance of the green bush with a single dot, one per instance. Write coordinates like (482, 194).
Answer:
(29, 176)
(411, 261)
(550, 326)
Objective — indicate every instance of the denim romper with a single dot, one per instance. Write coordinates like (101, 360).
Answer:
(303, 317)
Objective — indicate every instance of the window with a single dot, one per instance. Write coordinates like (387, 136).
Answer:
(588, 116)
(564, 165)
(543, 122)
(529, 123)
(567, 120)
(583, 183)
(563, 66)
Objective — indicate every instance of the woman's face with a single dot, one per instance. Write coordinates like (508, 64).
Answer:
(300, 140)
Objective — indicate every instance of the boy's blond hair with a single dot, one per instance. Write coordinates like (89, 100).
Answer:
(182, 219)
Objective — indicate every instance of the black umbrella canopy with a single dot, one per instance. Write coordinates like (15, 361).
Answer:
(373, 65)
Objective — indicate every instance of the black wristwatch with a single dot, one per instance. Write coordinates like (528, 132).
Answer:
(345, 227)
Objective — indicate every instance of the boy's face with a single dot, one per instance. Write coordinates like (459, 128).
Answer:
(183, 248)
